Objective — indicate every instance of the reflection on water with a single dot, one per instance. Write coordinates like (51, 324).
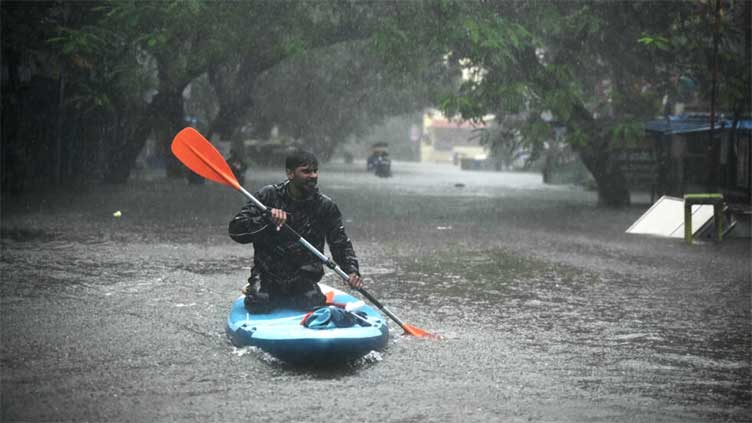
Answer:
(606, 337)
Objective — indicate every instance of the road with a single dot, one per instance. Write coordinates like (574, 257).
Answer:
(550, 312)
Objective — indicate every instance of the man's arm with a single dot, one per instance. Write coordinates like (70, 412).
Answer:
(249, 223)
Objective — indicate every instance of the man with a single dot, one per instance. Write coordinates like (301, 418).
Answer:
(284, 273)
(237, 165)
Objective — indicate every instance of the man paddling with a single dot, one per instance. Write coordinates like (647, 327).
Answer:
(284, 273)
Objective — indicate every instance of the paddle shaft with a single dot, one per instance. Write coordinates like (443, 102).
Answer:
(382, 307)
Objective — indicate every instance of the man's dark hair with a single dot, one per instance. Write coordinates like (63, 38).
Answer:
(300, 158)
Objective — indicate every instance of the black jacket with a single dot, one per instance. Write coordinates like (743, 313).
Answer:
(277, 256)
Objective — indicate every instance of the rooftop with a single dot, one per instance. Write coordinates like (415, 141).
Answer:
(683, 124)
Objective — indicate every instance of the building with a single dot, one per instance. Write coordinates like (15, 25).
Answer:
(449, 141)
(687, 161)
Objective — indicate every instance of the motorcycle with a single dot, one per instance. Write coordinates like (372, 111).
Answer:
(378, 162)
(382, 166)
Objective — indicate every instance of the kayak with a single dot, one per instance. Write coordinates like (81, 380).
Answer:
(283, 335)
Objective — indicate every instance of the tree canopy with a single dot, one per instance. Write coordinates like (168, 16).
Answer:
(323, 71)
(599, 69)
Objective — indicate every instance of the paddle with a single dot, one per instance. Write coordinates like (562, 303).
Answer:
(200, 156)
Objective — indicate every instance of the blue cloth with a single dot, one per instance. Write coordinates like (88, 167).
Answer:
(331, 317)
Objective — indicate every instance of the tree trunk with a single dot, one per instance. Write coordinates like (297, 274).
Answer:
(127, 142)
(612, 184)
(235, 90)
(597, 156)
(169, 103)
(131, 140)
(163, 118)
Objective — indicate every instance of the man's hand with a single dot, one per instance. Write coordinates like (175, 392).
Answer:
(355, 281)
(278, 218)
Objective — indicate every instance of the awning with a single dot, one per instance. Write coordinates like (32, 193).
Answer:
(688, 124)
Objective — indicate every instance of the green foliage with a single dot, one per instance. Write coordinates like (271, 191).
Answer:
(599, 67)
(326, 95)
(104, 73)
(628, 132)
(536, 132)
(684, 48)
(596, 67)
(661, 43)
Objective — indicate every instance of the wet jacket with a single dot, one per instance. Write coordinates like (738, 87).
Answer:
(278, 257)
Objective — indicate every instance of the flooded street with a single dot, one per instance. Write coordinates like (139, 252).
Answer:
(551, 313)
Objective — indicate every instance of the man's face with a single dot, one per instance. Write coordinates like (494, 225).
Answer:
(304, 178)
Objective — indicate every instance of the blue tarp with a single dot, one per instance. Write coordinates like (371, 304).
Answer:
(686, 124)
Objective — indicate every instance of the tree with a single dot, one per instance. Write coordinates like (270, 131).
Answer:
(30, 80)
(59, 101)
(231, 43)
(329, 94)
(580, 61)
(312, 73)
(707, 46)
(298, 31)
(183, 39)
(119, 69)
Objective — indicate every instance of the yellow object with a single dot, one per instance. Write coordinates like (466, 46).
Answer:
(718, 218)
(117, 214)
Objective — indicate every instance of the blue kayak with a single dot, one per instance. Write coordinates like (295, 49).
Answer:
(281, 333)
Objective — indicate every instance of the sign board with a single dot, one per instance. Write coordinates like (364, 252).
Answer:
(638, 166)
(666, 218)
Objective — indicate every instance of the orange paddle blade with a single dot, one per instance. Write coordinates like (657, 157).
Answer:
(420, 333)
(200, 156)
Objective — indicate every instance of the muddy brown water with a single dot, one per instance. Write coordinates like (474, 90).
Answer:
(550, 312)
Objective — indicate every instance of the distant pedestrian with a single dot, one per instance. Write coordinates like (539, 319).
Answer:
(238, 166)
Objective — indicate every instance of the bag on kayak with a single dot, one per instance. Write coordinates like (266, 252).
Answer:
(333, 317)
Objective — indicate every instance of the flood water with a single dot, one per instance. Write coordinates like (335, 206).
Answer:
(550, 312)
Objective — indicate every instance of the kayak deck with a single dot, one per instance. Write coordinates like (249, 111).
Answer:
(281, 334)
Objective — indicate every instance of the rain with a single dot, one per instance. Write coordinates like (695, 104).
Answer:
(488, 159)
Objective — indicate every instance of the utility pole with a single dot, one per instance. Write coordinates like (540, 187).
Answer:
(714, 149)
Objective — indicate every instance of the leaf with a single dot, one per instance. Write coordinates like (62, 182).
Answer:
(646, 40)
